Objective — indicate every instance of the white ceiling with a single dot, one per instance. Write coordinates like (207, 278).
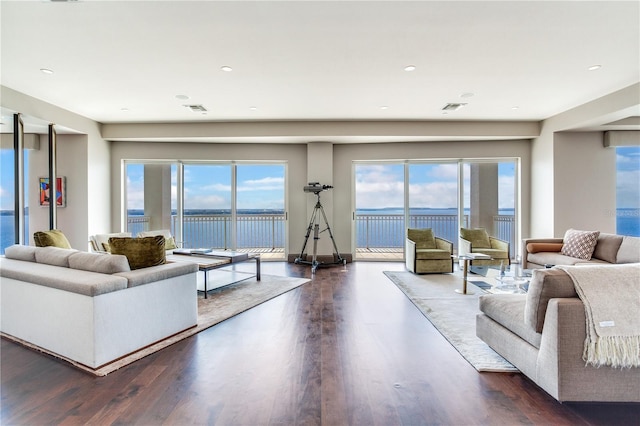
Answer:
(318, 60)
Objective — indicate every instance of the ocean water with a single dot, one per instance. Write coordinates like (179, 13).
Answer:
(392, 235)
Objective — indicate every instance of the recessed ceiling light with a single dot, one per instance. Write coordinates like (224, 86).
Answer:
(226, 68)
(467, 95)
(46, 70)
(182, 97)
(253, 108)
(515, 107)
(124, 109)
(410, 68)
(384, 107)
(594, 67)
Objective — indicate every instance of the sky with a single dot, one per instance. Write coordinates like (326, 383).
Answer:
(209, 186)
(430, 185)
(262, 187)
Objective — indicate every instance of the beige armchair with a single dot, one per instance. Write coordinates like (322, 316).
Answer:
(100, 242)
(426, 253)
(170, 242)
(477, 240)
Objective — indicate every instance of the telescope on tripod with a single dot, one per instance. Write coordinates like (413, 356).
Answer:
(314, 224)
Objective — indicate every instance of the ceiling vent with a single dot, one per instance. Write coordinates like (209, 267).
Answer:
(196, 108)
(452, 107)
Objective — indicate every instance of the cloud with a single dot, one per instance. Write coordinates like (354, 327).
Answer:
(264, 184)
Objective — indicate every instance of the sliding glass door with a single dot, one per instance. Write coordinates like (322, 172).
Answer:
(380, 212)
(433, 198)
(489, 199)
(441, 195)
(224, 206)
(207, 206)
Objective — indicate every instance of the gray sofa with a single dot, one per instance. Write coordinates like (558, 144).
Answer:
(92, 308)
(609, 249)
(543, 332)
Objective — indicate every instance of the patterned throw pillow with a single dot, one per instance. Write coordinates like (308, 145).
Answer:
(579, 244)
(140, 252)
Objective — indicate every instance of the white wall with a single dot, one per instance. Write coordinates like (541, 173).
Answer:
(72, 152)
(554, 166)
(585, 191)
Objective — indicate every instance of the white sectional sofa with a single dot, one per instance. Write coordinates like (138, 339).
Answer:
(91, 308)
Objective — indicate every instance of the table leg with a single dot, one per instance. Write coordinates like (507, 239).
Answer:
(465, 272)
(258, 268)
(205, 284)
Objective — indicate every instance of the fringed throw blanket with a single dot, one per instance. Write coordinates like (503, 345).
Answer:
(611, 296)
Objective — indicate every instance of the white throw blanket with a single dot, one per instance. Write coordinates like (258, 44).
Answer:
(611, 296)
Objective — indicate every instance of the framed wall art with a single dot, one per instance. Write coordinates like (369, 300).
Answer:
(61, 193)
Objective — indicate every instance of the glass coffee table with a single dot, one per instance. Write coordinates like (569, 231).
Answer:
(515, 281)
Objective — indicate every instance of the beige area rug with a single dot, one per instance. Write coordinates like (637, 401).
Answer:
(453, 314)
(221, 304)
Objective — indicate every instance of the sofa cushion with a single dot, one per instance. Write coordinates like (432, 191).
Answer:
(546, 284)
(54, 256)
(550, 258)
(477, 236)
(579, 244)
(508, 311)
(140, 252)
(432, 254)
(101, 263)
(158, 273)
(544, 247)
(52, 238)
(607, 247)
(629, 251)
(72, 280)
(423, 238)
(20, 252)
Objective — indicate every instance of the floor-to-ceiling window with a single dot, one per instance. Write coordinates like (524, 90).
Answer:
(380, 207)
(433, 198)
(442, 195)
(219, 205)
(489, 198)
(628, 190)
(7, 199)
(260, 204)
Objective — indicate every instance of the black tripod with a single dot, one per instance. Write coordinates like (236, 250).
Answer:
(313, 224)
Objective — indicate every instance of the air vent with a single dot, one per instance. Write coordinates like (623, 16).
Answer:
(196, 108)
(452, 107)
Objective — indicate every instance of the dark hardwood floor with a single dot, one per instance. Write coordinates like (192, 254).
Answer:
(347, 348)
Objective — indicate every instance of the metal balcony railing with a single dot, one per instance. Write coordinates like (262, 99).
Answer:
(377, 232)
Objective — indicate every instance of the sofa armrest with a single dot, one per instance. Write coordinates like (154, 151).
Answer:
(464, 246)
(526, 241)
(443, 244)
(561, 347)
(499, 244)
(410, 255)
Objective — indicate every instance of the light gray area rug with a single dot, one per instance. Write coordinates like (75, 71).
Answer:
(453, 314)
(221, 304)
